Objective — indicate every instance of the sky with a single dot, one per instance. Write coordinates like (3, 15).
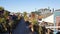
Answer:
(28, 5)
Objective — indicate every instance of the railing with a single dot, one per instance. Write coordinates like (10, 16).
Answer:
(52, 26)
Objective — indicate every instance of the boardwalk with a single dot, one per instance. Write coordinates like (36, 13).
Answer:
(21, 28)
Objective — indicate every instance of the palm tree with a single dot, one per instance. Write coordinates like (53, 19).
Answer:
(1, 11)
(25, 13)
(18, 15)
(25, 16)
(33, 20)
(32, 14)
(6, 13)
(1, 8)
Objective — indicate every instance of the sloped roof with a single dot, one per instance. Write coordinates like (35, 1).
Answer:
(49, 19)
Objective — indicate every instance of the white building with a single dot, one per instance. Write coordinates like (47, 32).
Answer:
(44, 11)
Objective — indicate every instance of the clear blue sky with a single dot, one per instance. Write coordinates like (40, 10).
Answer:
(28, 5)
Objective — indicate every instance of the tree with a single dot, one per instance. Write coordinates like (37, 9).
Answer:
(1, 8)
(1, 11)
(32, 14)
(24, 13)
(25, 16)
(18, 15)
(6, 13)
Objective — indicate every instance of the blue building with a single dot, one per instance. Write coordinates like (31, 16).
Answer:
(56, 14)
